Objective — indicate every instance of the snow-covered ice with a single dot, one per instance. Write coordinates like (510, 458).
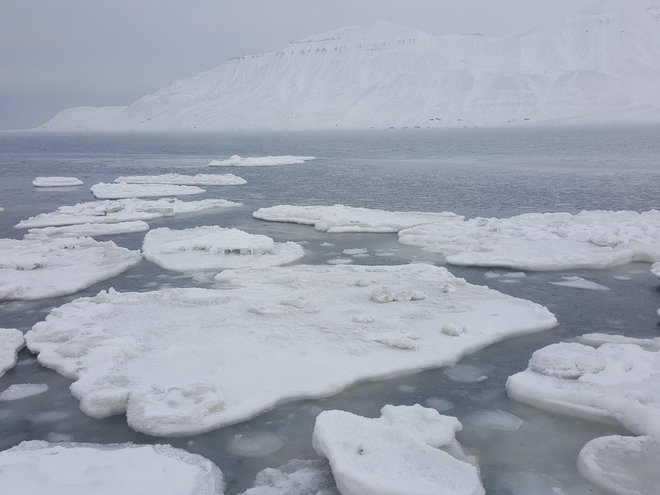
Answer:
(184, 361)
(215, 248)
(598, 339)
(355, 251)
(38, 468)
(56, 181)
(22, 390)
(340, 261)
(87, 230)
(579, 283)
(261, 161)
(409, 449)
(184, 180)
(340, 218)
(11, 341)
(104, 190)
(35, 269)
(122, 210)
(296, 477)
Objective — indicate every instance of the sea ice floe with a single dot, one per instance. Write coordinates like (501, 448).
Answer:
(340, 218)
(56, 181)
(37, 467)
(409, 449)
(87, 230)
(261, 161)
(11, 341)
(215, 248)
(184, 361)
(655, 269)
(465, 373)
(598, 339)
(339, 261)
(185, 180)
(122, 210)
(544, 241)
(296, 477)
(35, 269)
(104, 190)
(579, 283)
(22, 390)
(355, 252)
(440, 404)
(254, 445)
(493, 420)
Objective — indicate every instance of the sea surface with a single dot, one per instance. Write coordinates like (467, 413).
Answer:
(472, 172)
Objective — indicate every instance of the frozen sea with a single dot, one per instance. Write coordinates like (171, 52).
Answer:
(471, 172)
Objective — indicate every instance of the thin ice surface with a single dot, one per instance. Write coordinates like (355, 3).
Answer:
(104, 190)
(19, 391)
(261, 161)
(184, 180)
(36, 269)
(56, 181)
(215, 248)
(11, 341)
(38, 468)
(183, 361)
(409, 449)
(296, 477)
(87, 230)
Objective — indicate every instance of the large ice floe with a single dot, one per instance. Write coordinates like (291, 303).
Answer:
(11, 341)
(87, 230)
(104, 190)
(215, 248)
(122, 210)
(36, 468)
(184, 180)
(56, 181)
(184, 361)
(340, 218)
(409, 449)
(35, 269)
(544, 241)
(261, 161)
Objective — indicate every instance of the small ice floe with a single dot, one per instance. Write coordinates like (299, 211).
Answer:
(104, 190)
(514, 275)
(493, 420)
(184, 180)
(56, 181)
(122, 210)
(36, 269)
(261, 161)
(295, 477)
(185, 361)
(598, 339)
(95, 469)
(579, 283)
(622, 277)
(254, 444)
(355, 252)
(215, 248)
(440, 404)
(340, 218)
(544, 241)
(22, 390)
(11, 341)
(466, 373)
(409, 449)
(87, 230)
(655, 269)
(340, 261)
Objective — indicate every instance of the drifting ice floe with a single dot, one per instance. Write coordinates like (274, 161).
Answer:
(215, 248)
(340, 218)
(409, 449)
(544, 241)
(185, 180)
(11, 341)
(184, 361)
(104, 190)
(579, 283)
(260, 161)
(22, 390)
(88, 230)
(37, 467)
(655, 269)
(35, 269)
(295, 477)
(122, 210)
(56, 181)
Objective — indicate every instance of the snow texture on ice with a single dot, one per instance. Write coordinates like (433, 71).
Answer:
(87, 230)
(11, 341)
(104, 190)
(579, 283)
(184, 180)
(184, 361)
(261, 161)
(22, 390)
(296, 477)
(56, 181)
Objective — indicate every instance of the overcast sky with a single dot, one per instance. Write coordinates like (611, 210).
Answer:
(55, 54)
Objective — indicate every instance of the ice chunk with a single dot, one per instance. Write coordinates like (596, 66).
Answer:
(355, 252)
(261, 161)
(409, 449)
(655, 269)
(22, 390)
(215, 248)
(37, 467)
(88, 230)
(579, 283)
(104, 190)
(567, 360)
(296, 477)
(339, 261)
(254, 445)
(440, 404)
(11, 341)
(266, 336)
(598, 339)
(493, 420)
(35, 269)
(185, 180)
(465, 373)
(56, 181)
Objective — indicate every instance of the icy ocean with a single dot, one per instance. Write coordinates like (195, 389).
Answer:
(471, 172)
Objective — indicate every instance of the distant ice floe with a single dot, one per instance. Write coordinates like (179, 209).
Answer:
(185, 180)
(215, 248)
(579, 283)
(185, 361)
(261, 161)
(295, 477)
(340, 218)
(104, 190)
(409, 449)
(94, 469)
(122, 210)
(655, 269)
(56, 181)
(36, 269)
(22, 390)
(87, 230)
(11, 341)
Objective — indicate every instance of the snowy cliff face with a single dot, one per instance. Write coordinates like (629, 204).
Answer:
(601, 66)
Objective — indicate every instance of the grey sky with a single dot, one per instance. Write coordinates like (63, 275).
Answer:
(60, 53)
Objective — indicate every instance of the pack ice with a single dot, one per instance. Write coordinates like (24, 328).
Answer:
(36, 269)
(184, 180)
(104, 190)
(11, 341)
(87, 230)
(261, 161)
(215, 248)
(185, 361)
(56, 181)
(409, 449)
(37, 468)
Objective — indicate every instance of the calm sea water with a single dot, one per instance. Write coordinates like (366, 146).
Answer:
(469, 171)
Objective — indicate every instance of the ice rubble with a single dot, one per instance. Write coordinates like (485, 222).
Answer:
(215, 248)
(122, 210)
(261, 161)
(340, 218)
(36, 468)
(56, 181)
(11, 341)
(184, 361)
(104, 190)
(19, 391)
(409, 449)
(87, 230)
(184, 180)
(35, 269)
(295, 477)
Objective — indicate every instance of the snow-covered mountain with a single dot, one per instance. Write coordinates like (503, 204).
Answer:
(600, 66)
